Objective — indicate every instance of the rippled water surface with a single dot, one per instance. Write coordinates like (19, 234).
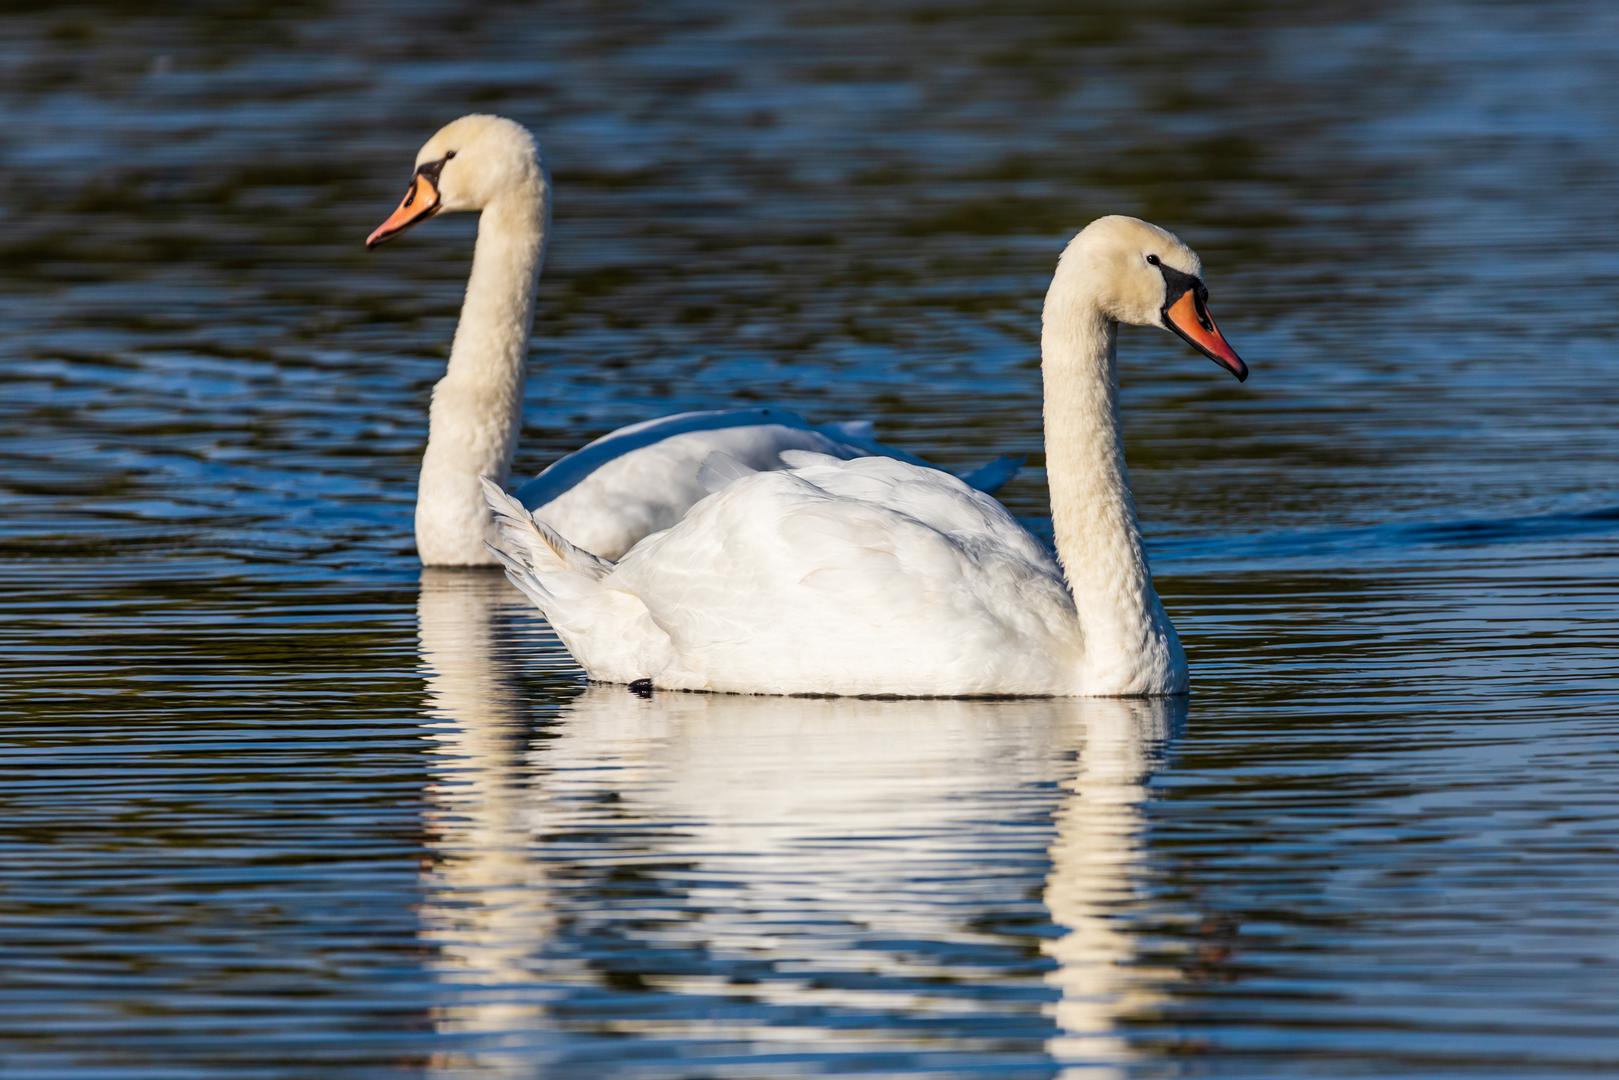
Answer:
(277, 804)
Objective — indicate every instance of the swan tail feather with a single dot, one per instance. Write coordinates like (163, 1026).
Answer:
(529, 546)
(521, 575)
(608, 630)
(992, 477)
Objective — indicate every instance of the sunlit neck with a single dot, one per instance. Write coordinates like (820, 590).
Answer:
(1128, 641)
(491, 338)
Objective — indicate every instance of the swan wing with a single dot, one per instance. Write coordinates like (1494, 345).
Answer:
(643, 478)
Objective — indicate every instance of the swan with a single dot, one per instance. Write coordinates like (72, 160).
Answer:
(877, 576)
(626, 484)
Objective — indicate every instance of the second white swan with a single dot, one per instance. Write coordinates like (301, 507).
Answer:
(877, 576)
(624, 485)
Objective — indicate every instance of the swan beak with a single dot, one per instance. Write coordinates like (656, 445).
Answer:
(1189, 317)
(421, 202)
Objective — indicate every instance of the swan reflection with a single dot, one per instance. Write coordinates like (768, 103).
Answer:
(486, 910)
(807, 875)
(1097, 861)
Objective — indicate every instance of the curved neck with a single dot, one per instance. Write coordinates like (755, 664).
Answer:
(477, 407)
(491, 339)
(1130, 646)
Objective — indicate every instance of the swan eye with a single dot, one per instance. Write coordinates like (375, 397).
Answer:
(449, 154)
(1152, 260)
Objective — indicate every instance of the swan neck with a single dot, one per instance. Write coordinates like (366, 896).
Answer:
(1130, 646)
(491, 338)
(477, 408)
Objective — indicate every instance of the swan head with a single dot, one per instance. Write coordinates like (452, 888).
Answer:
(1140, 274)
(468, 164)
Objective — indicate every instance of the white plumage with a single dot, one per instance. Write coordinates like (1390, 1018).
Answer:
(806, 581)
(643, 478)
(880, 576)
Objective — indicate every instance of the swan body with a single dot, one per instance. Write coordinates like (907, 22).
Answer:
(621, 487)
(827, 577)
(874, 575)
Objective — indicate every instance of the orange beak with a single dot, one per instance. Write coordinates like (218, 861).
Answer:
(1189, 317)
(420, 203)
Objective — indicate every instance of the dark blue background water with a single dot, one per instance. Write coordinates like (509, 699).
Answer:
(278, 805)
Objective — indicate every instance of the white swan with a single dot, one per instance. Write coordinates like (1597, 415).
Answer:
(876, 576)
(617, 489)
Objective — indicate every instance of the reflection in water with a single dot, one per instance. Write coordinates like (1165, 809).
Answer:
(837, 855)
(1095, 871)
(486, 910)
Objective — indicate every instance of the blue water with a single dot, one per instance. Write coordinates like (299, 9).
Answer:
(280, 805)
